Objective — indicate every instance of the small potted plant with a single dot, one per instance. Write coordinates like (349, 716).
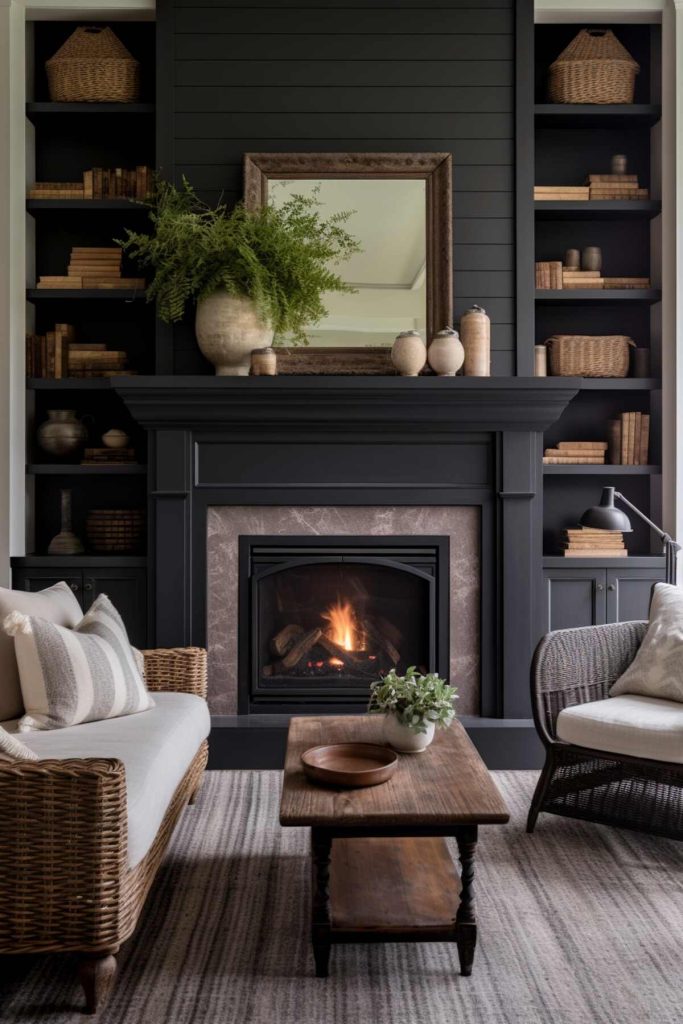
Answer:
(413, 705)
(252, 273)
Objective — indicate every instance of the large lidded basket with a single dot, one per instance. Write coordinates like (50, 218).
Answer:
(589, 355)
(93, 66)
(594, 68)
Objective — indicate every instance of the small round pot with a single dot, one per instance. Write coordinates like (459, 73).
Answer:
(446, 353)
(228, 329)
(409, 353)
(403, 739)
(115, 438)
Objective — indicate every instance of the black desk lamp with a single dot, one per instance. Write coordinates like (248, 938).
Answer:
(606, 516)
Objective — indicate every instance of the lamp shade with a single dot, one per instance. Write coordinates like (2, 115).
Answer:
(605, 516)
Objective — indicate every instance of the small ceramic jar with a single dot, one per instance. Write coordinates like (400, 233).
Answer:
(591, 258)
(572, 259)
(263, 362)
(540, 361)
(619, 163)
(409, 353)
(446, 354)
(115, 438)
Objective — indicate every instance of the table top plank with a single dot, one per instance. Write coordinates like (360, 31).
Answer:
(448, 784)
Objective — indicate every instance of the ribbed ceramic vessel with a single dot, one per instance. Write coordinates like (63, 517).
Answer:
(228, 329)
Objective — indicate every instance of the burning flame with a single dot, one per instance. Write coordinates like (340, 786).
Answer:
(344, 630)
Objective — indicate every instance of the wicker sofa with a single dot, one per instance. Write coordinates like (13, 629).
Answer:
(572, 669)
(66, 880)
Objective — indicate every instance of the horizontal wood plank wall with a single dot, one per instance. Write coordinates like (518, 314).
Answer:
(358, 76)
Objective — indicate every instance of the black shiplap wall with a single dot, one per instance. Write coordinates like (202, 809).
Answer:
(351, 75)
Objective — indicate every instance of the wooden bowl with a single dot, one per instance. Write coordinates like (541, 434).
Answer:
(349, 764)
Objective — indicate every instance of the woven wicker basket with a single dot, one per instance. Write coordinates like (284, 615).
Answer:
(93, 66)
(115, 530)
(589, 355)
(594, 68)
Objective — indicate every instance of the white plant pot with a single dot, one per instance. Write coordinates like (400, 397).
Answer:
(228, 329)
(403, 739)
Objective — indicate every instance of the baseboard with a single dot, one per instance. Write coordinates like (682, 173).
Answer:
(258, 741)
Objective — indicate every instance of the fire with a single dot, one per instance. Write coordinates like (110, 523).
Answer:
(344, 629)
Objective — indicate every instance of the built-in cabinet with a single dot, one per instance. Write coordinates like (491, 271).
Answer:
(591, 595)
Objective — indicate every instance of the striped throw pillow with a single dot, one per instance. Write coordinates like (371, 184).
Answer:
(69, 676)
(12, 749)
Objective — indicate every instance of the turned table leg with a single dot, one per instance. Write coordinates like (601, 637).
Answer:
(321, 847)
(96, 973)
(465, 920)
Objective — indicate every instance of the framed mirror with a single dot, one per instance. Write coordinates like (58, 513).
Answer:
(402, 217)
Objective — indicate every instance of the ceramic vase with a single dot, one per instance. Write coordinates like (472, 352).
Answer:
(405, 740)
(228, 329)
(65, 542)
(409, 353)
(62, 434)
(591, 258)
(475, 336)
(446, 354)
(115, 438)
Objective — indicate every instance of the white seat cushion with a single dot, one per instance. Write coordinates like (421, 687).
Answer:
(635, 725)
(156, 747)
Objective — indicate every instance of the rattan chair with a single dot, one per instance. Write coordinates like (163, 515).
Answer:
(65, 885)
(575, 666)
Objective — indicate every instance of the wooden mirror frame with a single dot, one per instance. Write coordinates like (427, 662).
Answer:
(433, 168)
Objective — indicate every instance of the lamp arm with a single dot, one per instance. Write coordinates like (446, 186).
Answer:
(666, 537)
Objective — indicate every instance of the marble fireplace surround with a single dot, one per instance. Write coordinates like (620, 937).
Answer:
(225, 524)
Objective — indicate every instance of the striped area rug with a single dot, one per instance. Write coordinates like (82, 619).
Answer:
(579, 924)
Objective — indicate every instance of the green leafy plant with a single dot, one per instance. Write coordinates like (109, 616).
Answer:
(280, 257)
(416, 700)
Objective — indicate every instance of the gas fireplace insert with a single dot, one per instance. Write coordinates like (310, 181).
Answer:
(321, 618)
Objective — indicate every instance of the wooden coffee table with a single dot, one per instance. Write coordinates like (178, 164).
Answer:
(382, 871)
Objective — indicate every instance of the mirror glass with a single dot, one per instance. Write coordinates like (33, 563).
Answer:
(388, 275)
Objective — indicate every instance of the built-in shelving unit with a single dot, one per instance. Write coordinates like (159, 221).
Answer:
(63, 140)
(572, 141)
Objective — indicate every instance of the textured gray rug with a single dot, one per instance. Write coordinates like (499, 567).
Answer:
(579, 924)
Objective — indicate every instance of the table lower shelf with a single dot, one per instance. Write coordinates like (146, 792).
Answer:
(393, 889)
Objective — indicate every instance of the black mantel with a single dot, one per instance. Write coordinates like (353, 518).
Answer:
(355, 441)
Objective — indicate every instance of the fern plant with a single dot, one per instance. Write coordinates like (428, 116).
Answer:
(280, 257)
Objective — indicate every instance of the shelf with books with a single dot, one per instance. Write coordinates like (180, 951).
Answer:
(99, 294)
(590, 296)
(598, 210)
(86, 205)
(605, 470)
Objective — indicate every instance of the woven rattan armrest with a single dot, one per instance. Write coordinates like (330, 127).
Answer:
(575, 666)
(63, 846)
(178, 669)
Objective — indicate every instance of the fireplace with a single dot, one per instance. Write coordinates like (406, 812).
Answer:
(320, 618)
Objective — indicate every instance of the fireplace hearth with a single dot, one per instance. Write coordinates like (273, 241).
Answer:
(322, 617)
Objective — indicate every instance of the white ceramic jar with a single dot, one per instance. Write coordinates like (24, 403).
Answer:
(409, 353)
(446, 354)
(403, 739)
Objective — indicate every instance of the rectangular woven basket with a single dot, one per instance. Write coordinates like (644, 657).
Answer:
(594, 68)
(589, 355)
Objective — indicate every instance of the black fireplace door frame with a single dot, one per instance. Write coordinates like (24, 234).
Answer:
(435, 551)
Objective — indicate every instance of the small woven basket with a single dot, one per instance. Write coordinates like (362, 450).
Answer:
(594, 68)
(115, 530)
(93, 66)
(589, 355)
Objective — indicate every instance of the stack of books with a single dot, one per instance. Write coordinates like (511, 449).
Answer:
(586, 542)
(561, 193)
(629, 439)
(615, 186)
(95, 360)
(581, 278)
(56, 355)
(576, 453)
(549, 274)
(107, 456)
(93, 267)
(98, 183)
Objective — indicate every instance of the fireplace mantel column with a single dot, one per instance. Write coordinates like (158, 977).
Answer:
(170, 538)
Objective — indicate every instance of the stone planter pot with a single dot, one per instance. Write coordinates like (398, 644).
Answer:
(228, 329)
(403, 739)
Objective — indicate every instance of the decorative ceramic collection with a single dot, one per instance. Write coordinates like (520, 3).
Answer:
(228, 329)
(409, 353)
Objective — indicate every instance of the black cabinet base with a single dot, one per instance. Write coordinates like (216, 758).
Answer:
(241, 741)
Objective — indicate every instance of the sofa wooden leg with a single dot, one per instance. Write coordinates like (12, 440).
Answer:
(96, 973)
(540, 792)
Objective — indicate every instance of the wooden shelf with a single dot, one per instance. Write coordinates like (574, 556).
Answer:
(632, 562)
(111, 294)
(70, 383)
(590, 296)
(606, 470)
(596, 115)
(597, 209)
(34, 110)
(75, 469)
(112, 205)
(79, 561)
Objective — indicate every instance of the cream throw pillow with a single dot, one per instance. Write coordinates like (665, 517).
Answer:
(56, 604)
(657, 669)
(69, 676)
(12, 749)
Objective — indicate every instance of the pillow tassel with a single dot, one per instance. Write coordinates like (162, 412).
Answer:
(17, 622)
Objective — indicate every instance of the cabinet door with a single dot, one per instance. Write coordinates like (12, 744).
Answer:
(127, 590)
(39, 579)
(628, 593)
(573, 597)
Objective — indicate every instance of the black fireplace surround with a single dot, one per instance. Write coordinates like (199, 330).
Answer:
(354, 441)
(320, 618)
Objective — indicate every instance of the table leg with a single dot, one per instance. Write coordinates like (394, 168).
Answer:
(465, 920)
(321, 847)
